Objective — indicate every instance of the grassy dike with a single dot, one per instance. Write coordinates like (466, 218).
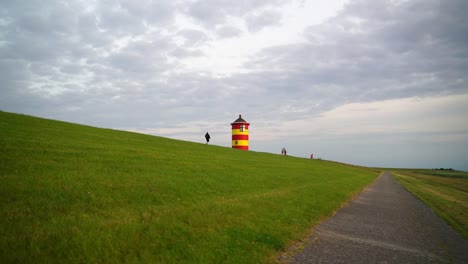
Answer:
(445, 192)
(77, 194)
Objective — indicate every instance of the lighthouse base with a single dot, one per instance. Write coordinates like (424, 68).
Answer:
(241, 147)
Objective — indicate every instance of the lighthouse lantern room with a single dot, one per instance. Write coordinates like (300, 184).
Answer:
(240, 134)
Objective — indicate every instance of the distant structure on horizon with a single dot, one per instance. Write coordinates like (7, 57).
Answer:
(240, 134)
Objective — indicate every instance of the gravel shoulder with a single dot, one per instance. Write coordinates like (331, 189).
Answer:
(383, 224)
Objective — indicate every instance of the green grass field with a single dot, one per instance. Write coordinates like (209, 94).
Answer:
(445, 193)
(77, 194)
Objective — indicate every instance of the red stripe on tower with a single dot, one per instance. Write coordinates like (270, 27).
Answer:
(240, 137)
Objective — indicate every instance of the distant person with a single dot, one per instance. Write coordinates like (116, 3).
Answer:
(283, 151)
(207, 137)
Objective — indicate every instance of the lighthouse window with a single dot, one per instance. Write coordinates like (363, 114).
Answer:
(235, 142)
(241, 129)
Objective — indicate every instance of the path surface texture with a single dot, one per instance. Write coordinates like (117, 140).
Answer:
(384, 224)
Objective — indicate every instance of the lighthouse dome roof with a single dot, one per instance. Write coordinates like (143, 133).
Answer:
(240, 120)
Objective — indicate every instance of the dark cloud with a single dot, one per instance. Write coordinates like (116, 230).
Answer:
(193, 37)
(133, 17)
(211, 13)
(228, 32)
(184, 53)
(256, 22)
(142, 58)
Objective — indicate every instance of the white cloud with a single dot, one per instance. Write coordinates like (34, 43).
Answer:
(433, 115)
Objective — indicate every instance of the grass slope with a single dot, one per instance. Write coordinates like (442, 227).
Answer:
(446, 193)
(71, 193)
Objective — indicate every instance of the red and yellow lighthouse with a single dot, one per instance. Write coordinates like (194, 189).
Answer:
(240, 134)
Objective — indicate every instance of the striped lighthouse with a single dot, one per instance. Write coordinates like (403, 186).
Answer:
(240, 134)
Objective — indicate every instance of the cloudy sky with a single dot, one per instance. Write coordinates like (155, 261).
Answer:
(375, 83)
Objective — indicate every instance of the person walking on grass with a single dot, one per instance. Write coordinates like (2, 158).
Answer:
(283, 151)
(207, 137)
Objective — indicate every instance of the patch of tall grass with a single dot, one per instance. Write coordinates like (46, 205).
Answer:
(447, 196)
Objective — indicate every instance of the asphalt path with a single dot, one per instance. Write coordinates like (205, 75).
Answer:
(384, 224)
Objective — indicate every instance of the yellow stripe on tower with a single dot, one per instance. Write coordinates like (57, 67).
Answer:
(238, 132)
(240, 143)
